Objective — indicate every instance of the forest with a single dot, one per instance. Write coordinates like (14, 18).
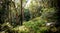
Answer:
(29, 16)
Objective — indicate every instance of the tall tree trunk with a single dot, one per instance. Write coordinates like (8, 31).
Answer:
(21, 13)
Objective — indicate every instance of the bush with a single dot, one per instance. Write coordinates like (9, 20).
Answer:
(49, 14)
(36, 25)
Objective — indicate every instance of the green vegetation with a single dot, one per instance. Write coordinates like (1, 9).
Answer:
(35, 16)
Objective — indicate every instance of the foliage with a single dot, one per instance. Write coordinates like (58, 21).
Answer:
(49, 14)
(36, 16)
(33, 26)
(36, 25)
(27, 15)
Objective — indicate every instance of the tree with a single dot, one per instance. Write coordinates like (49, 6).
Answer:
(4, 10)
